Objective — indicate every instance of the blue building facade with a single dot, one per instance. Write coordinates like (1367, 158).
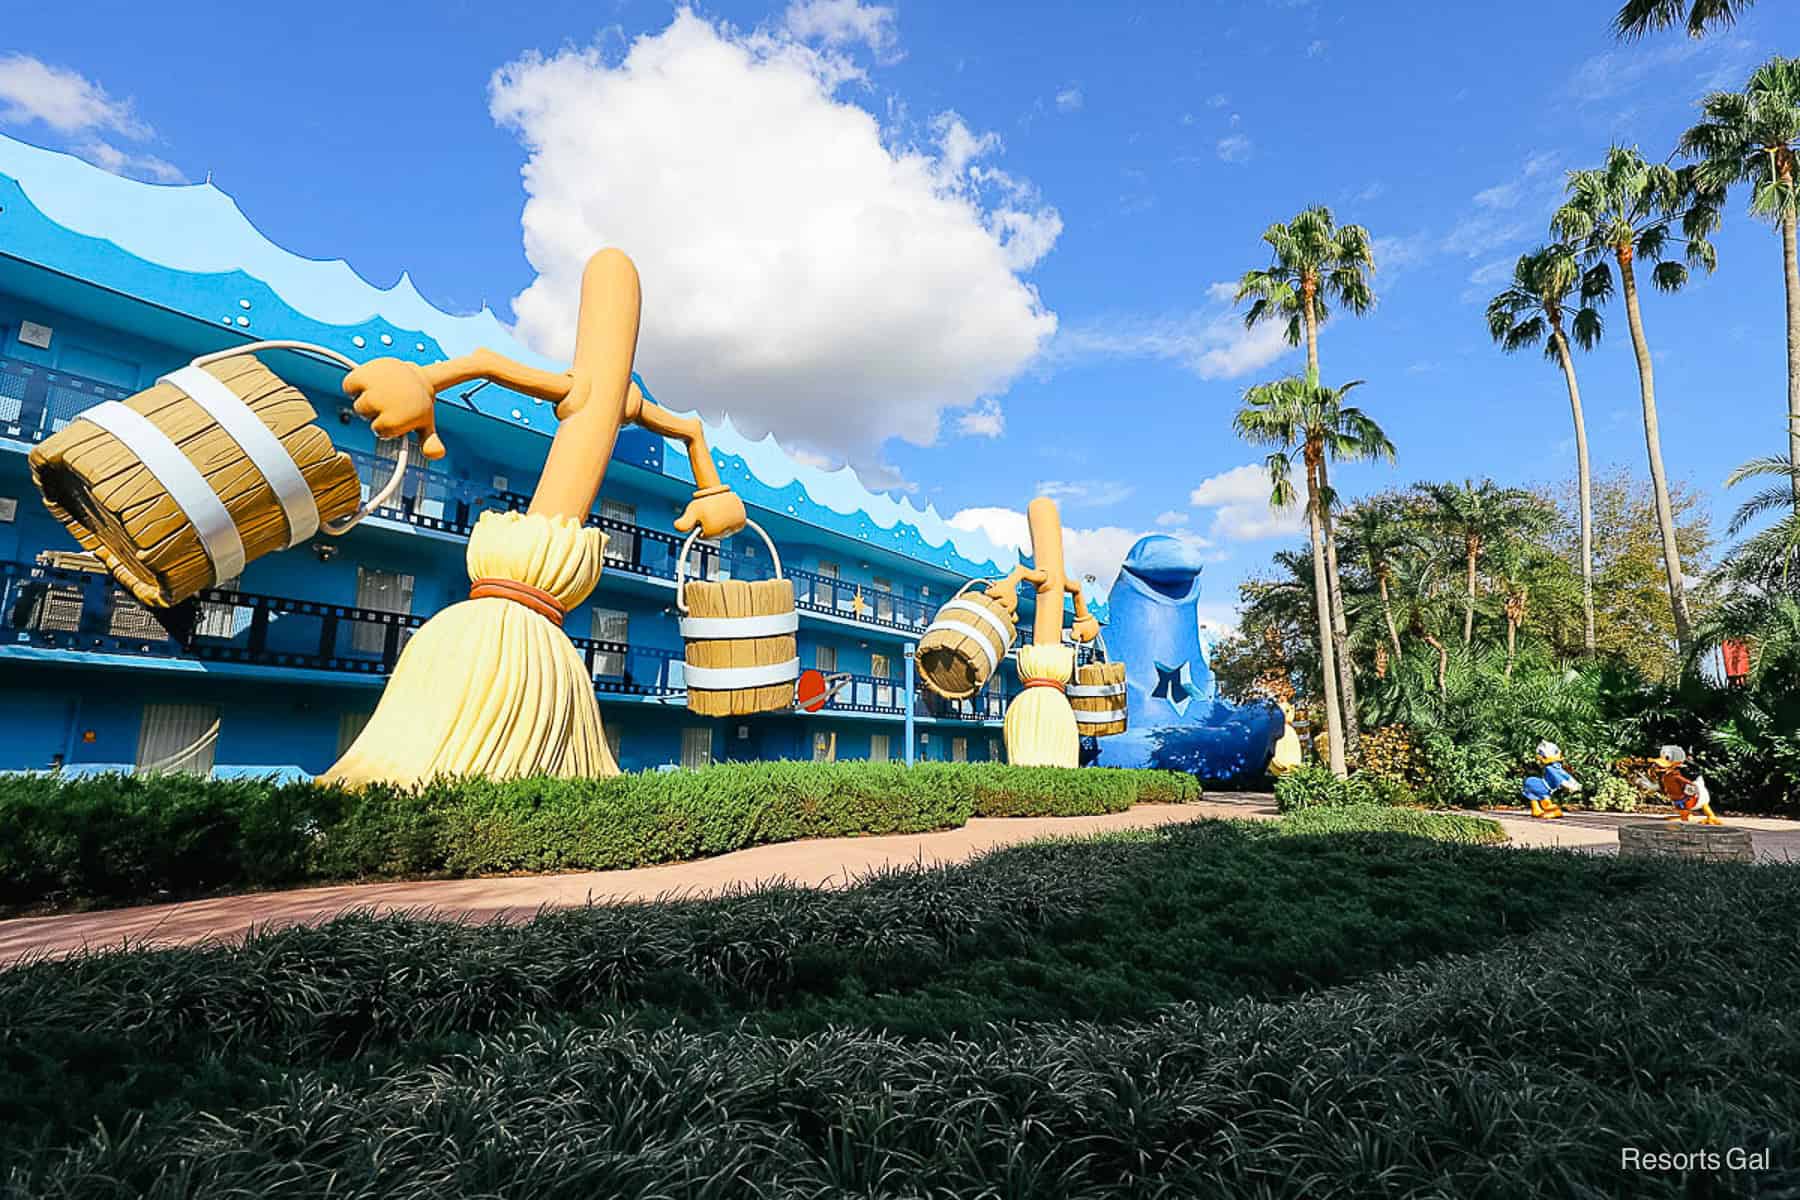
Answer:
(106, 283)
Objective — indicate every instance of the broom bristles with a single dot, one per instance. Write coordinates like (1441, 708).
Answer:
(488, 687)
(1040, 725)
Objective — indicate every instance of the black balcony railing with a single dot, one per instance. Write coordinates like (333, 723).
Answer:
(84, 611)
(36, 402)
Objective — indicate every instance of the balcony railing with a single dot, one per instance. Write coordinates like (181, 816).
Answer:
(84, 611)
(36, 402)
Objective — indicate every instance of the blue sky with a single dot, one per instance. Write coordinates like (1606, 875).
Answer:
(1039, 202)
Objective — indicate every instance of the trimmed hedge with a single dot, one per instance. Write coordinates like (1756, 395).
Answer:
(1374, 818)
(114, 838)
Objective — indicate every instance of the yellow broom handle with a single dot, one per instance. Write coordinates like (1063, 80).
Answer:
(1047, 557)
(605, 343)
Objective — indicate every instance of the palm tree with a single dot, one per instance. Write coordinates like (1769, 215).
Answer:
(1770, 558)
(1753, 137)
(1316, 261)
(1303, 418)
(1479, 515)
(1525, 570)
(1639, 17)
(1379, 531)
(1617, 214)
(1530, 311)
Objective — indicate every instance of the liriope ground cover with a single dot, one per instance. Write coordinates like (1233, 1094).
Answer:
(1214, 1009)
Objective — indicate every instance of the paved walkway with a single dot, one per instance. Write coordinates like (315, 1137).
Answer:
(828, 862)
(825, 863)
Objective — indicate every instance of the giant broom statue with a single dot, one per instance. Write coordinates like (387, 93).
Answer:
(1040, 725)
(492, 686)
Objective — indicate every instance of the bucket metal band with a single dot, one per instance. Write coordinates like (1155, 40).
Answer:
(1098, 718)
(1093, 691)
(985, 613)
(186, 486)
(730, 679)
(706, 629)
(973, 634)
(259, 444)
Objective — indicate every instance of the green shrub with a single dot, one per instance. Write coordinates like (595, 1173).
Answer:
(1372, 818)
(1314, 786)
(1309, 785)
(1466, 774)
(118, 838)
(1613, 794)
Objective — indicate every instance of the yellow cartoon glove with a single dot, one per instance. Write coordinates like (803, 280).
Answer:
(717, 511)
(398, 399)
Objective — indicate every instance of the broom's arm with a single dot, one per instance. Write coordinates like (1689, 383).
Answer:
(1086, 626)
(1006, 590)
(715, 508)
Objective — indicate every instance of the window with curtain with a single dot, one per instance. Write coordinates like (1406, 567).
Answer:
(878, 748)
(824, 593)
(383, 591)
(884, 693)
(178, 737)
(825, 658)
(821, 747)
(350, 727)
(994, 752)
(696, 746)
(615, 742)
(620, 545)
(611, 625)
(884, 598)
(959, 749)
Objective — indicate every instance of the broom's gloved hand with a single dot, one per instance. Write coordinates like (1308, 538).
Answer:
(717, 511)
(1086, 629)
(398, 399)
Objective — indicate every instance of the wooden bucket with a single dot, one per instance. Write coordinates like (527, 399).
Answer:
(741, 655)
(1098, 698)
(219, 463)
(965, 642)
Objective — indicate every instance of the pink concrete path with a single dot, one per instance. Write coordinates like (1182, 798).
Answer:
(828, 862)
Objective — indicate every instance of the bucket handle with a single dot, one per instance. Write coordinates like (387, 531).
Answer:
(342, 525)
(682, 560)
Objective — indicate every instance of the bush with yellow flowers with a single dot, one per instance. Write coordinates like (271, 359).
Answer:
(1392, 752)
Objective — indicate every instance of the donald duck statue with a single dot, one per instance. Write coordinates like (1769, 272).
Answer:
(1541, 790)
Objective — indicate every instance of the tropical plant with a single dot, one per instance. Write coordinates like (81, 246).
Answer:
(1379, 532)
(1769, 558)
(1523, 569)
(1615, 215)
(1753, 137)
(1639, 17)
(1478, 515)
(1543, 297)
(1316, 261)
(1304, 418)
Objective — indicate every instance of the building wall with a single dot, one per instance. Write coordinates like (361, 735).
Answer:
(83, 698)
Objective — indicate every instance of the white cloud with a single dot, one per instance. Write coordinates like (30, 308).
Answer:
(1213, 345)
(843, 23)
(1097, 552)
(75, 107)
(1223, 292)
(1069, 100)
(1235, 149)
(1171, 517)
(1218, 100)
(1374, 191)
(984, 420)
(1085, 493)
(1239, 499)
(68, 102)
(1501, 195)
(800, 272)
(1317, 48)
(123, 162)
